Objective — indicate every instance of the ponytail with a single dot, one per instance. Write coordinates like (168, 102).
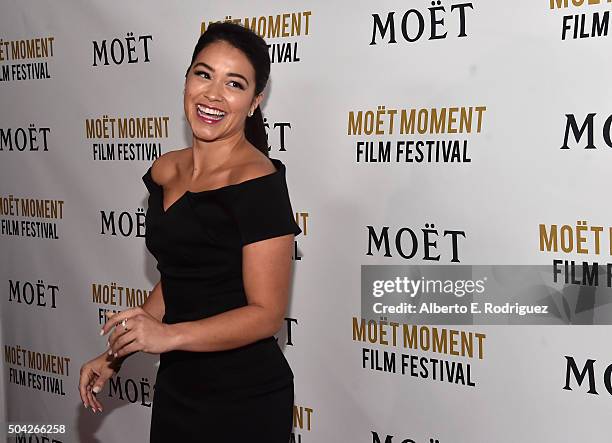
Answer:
(255, 131)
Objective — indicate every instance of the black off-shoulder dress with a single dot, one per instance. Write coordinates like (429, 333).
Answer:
(242, 394)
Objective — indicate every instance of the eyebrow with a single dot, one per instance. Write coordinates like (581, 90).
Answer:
(230, 74)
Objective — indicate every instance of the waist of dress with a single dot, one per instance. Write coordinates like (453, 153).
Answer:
(261, 363)
(249, 350)
(189, 300)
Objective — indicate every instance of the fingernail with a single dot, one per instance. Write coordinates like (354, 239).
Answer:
(102, 331)
(96, 389)
(115, 354)
(110, 352)
(85, 405)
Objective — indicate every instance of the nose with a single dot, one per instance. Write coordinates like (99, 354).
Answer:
(214, 91)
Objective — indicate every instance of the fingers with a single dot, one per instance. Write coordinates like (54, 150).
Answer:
(118, 333)
(118, 317)
(97, 386)
(91, 399)
(90, 379)
(118, 346)
(113, 318)
(87, 380)
(129, 348)
(83, 383)
(112, 338)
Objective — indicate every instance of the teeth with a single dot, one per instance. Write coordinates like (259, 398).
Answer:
(210, 111)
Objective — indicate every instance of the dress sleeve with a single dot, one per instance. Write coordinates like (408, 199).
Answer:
(262, 209)
(151, 186)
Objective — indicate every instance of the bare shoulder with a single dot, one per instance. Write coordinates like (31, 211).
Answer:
(164, 167)
(256, 165)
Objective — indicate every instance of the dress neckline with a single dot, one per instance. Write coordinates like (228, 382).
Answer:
(280, 168)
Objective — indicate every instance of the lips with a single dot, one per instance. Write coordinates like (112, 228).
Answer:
(209, 113)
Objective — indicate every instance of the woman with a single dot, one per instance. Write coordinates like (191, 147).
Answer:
(220, 224)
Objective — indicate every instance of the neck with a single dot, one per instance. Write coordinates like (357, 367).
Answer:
(207, 156)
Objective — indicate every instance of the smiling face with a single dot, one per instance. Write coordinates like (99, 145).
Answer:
(219, 92)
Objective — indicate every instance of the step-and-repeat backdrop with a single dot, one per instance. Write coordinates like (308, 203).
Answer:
(454, 132)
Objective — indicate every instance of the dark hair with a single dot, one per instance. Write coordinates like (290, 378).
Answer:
(256, 50)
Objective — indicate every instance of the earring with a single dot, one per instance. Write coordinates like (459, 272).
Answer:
(250, 113)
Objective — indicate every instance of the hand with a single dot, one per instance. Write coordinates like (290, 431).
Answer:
(144, 333)
(94, 374)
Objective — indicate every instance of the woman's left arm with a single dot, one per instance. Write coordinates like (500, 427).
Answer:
(266, 273)
(266, 270)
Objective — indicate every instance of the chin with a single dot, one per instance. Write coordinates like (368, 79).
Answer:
(205, 137)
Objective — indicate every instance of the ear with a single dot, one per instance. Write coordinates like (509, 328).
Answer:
(256, 101)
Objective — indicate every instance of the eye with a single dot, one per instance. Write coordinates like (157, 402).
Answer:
(202, 72)
(237, 85)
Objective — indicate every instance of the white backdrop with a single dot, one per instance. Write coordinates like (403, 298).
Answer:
(508, 57)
